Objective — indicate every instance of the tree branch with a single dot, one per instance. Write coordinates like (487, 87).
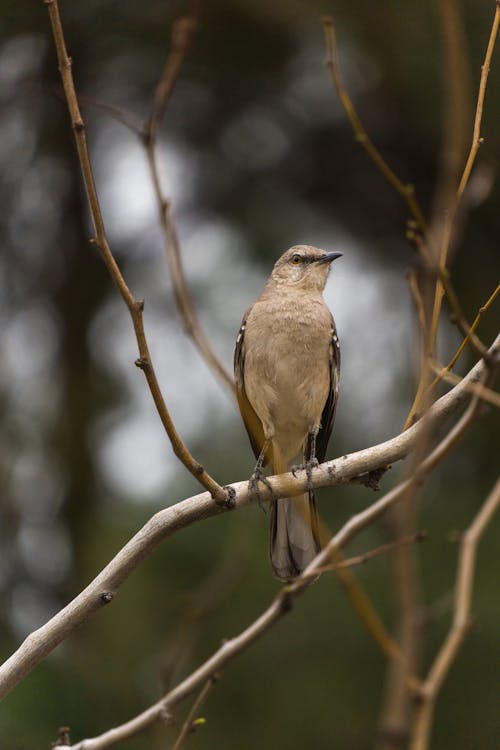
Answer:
(182, 35)
(283, 601)
(135, 306)
(461, 621)
(166, 522)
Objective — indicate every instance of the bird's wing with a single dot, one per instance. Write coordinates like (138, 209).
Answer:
(251, 420)
(328, 416)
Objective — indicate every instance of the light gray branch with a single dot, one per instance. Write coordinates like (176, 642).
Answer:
(170, 520)
(283, 601)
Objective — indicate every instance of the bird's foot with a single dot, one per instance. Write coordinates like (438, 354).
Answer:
(253, 485)
(308, 467)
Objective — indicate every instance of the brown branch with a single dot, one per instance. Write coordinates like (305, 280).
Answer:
(406, 191)
(457, 108)
(465, 341)
(182, 36)
(167, 522)
(461, 621)
(134, 306)
(452, 212)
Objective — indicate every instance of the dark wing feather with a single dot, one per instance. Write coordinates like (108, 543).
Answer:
(251, 420)
(328, 416)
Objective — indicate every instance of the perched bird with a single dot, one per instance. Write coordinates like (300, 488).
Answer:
(286, 365)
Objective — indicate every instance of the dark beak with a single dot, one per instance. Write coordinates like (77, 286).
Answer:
(329, 257)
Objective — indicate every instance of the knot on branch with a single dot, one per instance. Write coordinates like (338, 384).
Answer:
(107, 597)
(372, 478)
(229, 500)
(142, 363)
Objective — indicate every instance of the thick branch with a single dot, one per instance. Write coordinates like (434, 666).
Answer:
(170, 520)
(283, 601)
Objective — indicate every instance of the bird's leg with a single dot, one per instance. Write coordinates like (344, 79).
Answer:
(258, 475)
(311, 461)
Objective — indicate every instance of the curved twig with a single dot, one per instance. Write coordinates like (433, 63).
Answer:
(182, 36)
(461, 620)
(134, 305)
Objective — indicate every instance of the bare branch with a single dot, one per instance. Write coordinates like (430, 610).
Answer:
(182, 36)
(464, 343)
(452, 212)
(406, 191)
(170, 520)
(348, 562)
(283, 601)
(461, 621)
(135, 306)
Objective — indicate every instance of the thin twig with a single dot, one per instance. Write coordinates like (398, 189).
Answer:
(461, 621)
(442, 280)
(458, 315)
(349, 562)
(134, 306)
(182, 36)
(452, 212)
(485, 394)
(187, 727)
(465, 341)
(406, 191)
(171, 519)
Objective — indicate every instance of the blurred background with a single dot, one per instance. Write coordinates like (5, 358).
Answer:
(256, 155)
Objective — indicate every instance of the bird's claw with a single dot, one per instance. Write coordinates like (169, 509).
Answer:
(308, 467)
(253, 486)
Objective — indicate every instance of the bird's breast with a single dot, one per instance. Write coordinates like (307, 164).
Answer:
(287, 362)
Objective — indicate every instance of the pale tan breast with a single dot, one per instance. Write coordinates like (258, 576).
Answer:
(287, 370)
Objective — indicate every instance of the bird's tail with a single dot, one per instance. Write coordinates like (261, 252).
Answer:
(294, 538)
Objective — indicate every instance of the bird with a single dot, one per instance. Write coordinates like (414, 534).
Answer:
(287, 367)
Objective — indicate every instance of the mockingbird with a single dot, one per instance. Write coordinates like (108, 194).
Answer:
(286, 366)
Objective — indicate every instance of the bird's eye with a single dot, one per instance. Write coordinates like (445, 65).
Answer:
(296, 259)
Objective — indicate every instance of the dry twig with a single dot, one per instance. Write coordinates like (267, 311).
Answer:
(465, 341)
(134, 306)
(443, 282)
(461, 621)
(182, 36)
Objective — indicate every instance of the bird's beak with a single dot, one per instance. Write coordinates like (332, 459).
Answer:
(329, 257)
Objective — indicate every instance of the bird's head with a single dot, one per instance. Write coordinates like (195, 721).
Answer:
(304, 267)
